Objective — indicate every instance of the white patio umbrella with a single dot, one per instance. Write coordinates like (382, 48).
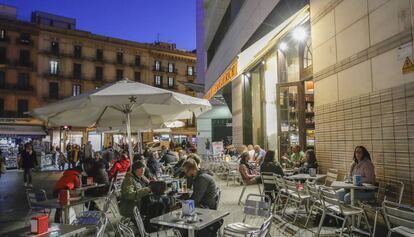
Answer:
(142, 106)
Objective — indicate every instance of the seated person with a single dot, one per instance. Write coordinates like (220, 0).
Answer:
(97, 171)
(169, 157)
(152, 164)
(295, 158)
(204, 194)
(133, 189)
(121, 165)
(258, 155)
(69, 181)
(155, 204)
(248, 174)
(269, 165)
(362, 165)
(308, 162)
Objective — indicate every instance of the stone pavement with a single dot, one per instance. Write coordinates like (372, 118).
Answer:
(14, 208)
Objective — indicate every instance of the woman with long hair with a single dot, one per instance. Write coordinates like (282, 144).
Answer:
(362, 166)
(309, 162)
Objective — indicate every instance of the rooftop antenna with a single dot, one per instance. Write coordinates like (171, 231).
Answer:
(158, 37)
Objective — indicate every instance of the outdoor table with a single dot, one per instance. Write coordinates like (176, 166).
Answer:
(204, 218)
(82, 189)
(306, 177)
(352, 187)
(54, 203)
(55, 229)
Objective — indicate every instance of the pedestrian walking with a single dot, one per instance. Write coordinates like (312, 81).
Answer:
(2, 164)
(69, 153)
(208, 147)
(87, 151)
(61, 159)
(29, 162)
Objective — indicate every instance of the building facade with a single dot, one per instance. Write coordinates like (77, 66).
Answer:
(326, 75)
(48, 59)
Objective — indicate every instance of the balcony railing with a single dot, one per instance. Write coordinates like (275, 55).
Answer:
(23, 63)
(174, 71)
(158, 69)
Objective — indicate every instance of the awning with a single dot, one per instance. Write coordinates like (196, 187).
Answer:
(256, 51)
(21, 130)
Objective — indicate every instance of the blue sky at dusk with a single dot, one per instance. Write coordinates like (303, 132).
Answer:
(137, 20)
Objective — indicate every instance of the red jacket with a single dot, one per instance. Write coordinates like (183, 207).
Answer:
(119, 166)
(69, 180)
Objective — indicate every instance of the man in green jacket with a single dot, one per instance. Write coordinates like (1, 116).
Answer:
(133, 189)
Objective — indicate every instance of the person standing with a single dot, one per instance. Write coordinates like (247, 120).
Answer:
(61, 159)
(2, 164)
(208, 147)
(29, 162)
(258, 155)
(87, 151)
(69, 153)
(75, 155)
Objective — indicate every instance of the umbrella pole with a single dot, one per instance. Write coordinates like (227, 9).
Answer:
(128, 115)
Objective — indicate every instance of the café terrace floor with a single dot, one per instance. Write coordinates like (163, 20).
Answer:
(13, 205)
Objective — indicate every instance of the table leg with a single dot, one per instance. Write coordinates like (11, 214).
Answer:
(65, 215)
(191, 233)
(353, 204)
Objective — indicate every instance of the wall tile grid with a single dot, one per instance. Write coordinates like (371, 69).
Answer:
(382, 121)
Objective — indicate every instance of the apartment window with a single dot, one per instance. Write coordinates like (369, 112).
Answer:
(137, 60)
(99, 54)
(25, 38)
(24, 59)
(1, 106)
(3, 55)
(137, 76)
(77, 51)
(170, 82)
(23, 81)
(2, 79)
(53, 90)
(157, 66)
(53, 67)
(190, 70)
(170, 67)
(77, 70)
(54, 47)
(158, 81)
(99, 73)
(22, 108)
(2, 34)
(76, 89)
(119, 57)
(119, 74)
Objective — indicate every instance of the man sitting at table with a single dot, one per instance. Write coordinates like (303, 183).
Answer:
(169, 157)
(296, 157)
(204, 194)
(133, 189)
(69, 181)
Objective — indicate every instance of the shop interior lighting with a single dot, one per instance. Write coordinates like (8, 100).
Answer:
(283, 46)
(299, 33)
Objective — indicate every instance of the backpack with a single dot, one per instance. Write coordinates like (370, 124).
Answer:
(153, 206)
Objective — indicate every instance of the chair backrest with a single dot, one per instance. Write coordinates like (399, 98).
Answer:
(257, 205)
(117, 182)
(125, 231)
(312, 191)
(34, 196)
(393, 191)
(329, 198)
(293, 187)
(139, 222)
(396, 214)
(331, 175)
(217, 198)
(265, 227)
(102, 225)
(268, 178)
(108, 200)
(280, 182)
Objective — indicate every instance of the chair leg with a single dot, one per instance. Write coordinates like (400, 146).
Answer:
(286, 204)
(375, 223)
(366, 221)
(343, 225)
(307, 219)
(241, 195)
(389, 233)
(260, 190)
(321, 222)
(297, 205)
(228, 176)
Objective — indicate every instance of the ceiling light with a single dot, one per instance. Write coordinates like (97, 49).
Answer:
(283, 46)
(299, 34)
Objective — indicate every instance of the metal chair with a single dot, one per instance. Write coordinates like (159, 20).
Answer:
(331, 175)
(297, 196)
(33, 198)
(218, 196)
(124, 230)
(143, 232)
(316, 201)
(399, 218)
(93, 218)
(283, 192)
(116, 183)
(257, 210)
(392, 191)
(337, 209)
